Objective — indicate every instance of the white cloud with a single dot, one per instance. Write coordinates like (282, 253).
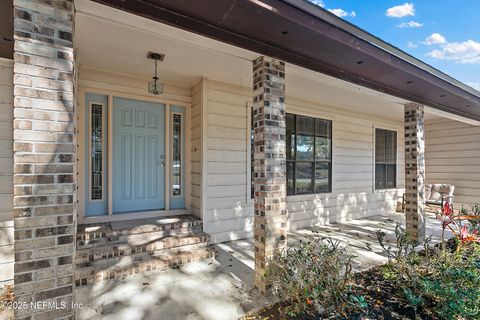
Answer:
(464, 52)
(342, 13)
(406, 9)
(412, 45)
(435, 38)
(410, 24)
(319, 3)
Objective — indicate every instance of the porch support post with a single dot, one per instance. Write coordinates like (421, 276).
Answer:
(44, 158)
(270, 220)
(415, 171)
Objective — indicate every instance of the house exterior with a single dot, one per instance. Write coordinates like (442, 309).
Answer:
(256, 132)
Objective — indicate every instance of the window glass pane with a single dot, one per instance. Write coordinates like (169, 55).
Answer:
(391, 176)
(290, 136)
(252, 154)
(391, 147)
(379, 146)
(305, 125)
(303, 177)
(380, 176)
(177, 155)
(322, 127)
(96, 137)
(290, 178)
(304, 147)
(322, 148)
(322, 175)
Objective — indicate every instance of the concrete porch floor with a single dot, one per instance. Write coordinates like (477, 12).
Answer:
(223, 288)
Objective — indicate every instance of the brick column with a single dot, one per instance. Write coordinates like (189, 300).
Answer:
(44, 157)
(270, 163)
(415, 170)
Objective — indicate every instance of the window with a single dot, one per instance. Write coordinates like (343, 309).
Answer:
(309, 155)
(96, 147)
(385, 159)
(177, 155)
(252, 155)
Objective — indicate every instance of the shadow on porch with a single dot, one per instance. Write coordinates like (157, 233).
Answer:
(223, 288)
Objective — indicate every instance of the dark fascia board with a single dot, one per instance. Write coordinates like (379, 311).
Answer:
(322, 42)
(6, 29)
(331, 18)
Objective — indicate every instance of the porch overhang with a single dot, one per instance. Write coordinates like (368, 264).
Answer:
(306, 35)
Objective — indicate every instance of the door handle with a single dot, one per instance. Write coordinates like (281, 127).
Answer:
(161, 162)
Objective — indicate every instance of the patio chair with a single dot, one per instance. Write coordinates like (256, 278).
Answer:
(436, 194)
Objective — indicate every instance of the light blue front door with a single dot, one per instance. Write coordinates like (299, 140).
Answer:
(138, 155)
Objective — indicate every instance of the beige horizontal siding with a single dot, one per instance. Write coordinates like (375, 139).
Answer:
(196, 151)
(353, 195)
(229, 214)
(229, 211)
(452, 156)
(6, 172)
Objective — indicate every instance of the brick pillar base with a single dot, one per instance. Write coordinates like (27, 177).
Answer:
(269, 163)
(44, 158)
(415, 171)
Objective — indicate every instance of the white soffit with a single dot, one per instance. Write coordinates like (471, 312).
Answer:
(116, 41)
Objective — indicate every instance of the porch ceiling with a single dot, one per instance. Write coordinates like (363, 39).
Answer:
(308, 36)
(115, 41)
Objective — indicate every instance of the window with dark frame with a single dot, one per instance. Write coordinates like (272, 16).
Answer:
(385, 159)
(309, 155)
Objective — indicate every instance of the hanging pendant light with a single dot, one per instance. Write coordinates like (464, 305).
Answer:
(155, 86)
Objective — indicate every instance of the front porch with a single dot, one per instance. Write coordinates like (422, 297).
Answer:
(241, 147)
(223, 288)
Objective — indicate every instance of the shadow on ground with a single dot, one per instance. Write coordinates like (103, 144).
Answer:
(223, 288)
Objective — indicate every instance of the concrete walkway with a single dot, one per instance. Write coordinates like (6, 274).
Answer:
(222, 289)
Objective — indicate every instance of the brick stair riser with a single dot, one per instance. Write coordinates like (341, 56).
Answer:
(92, 275)
(123, 250)
(136, 239)
(186, 225)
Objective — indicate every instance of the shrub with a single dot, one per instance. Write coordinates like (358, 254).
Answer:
(446, 282)
(313, 277)
(454, 285)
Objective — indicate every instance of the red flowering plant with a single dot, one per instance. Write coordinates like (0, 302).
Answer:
(458, 223)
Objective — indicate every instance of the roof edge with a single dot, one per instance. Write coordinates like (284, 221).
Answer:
(327, 16)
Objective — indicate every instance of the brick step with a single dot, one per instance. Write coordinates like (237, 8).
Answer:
(140, 265)
(148, 245)
(127, 259)
(135, 239)
(102, 233)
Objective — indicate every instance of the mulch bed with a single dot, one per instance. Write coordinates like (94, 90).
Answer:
(384, 302)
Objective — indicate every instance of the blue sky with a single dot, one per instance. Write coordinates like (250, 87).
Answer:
(444, 34)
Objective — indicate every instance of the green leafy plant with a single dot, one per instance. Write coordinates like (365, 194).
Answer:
(313, 277)
(446, 282)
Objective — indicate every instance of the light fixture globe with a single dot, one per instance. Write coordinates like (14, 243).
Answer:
(155, 86)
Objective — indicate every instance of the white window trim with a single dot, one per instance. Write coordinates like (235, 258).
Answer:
(82, 218)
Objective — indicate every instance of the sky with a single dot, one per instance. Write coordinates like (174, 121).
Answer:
(443, 33)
